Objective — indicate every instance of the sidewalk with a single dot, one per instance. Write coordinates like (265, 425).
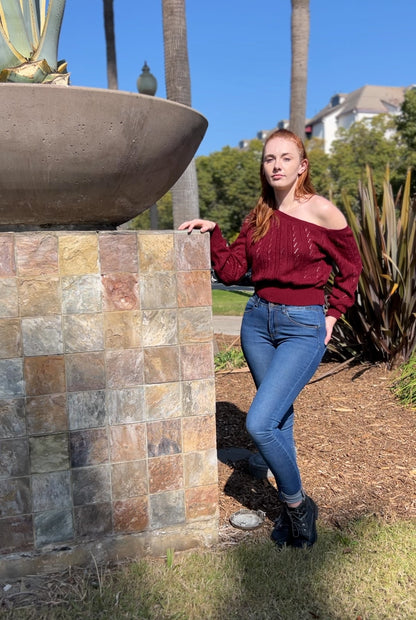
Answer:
(228, 325)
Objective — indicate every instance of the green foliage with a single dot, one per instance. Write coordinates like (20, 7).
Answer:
(229, 359)
(369, 142)
(382, 323)
(29, 34)
(229, 185)
(320, 169)
(404, 386)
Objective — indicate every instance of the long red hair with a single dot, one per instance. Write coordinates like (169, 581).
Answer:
(259, 217)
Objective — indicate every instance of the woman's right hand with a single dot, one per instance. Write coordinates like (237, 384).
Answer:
(202, 225)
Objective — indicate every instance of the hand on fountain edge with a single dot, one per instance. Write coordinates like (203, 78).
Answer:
(202, 225)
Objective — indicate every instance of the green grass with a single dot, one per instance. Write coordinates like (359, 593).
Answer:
(229, 303)
(404, 387)
(365, 571)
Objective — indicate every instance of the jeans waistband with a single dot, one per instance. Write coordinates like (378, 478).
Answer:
(272, 304)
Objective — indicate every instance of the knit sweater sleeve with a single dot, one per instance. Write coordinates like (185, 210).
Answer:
(229, 261)
(343, 250)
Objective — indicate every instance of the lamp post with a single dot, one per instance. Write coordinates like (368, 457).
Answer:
(147, 85)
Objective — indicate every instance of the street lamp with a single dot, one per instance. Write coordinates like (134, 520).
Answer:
(147, 85)
(146, 82)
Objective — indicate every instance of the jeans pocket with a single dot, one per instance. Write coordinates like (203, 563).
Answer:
(311, 317)
(251, 304)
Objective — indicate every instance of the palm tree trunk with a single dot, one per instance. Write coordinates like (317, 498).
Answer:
(300, 25)
(185, 201)
(110, 45)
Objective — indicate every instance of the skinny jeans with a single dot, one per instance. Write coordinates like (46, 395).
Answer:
(283, 346)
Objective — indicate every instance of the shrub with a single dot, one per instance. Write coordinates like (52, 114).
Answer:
(381, 326)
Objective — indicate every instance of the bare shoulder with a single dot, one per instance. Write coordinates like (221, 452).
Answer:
(325, 213)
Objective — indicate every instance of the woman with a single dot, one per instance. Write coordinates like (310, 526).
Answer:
(291, 241)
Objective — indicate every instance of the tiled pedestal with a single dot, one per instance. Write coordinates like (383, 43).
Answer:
(107, 397)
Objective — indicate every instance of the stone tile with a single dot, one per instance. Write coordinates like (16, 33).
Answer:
(120, 292)
(198, 397)
(86, 409)
(195, 325)
(85, 371)
(167, 509)
(15, 497)
(128, 442)
(161, 364)
(163, 401)
(158, 291)
(123, 330)
(160, 327)
(156, 252)
(197, 361)
(83, 332)
(37, 254)
(11, 378)
(91, 485)
(118, 252)
(89, 447)
(12, 418)
(131, 515)
(94, 520)
(124, 368)
(78, 254)
(40, 296)
(7, 262)
(164, 437)
(166, 473)
(194, 288)
(81, 294)
(10, 338)
(16, 534)
(192, 251)
(49, 453)
(125, 406)
(42, 336)
(14, 458)
(198, 433)
(51, 491)
(201, 502)
(201, 468)
(53, 527)
(9, 304)
(46, 414)
(129, 479)
(44, 375)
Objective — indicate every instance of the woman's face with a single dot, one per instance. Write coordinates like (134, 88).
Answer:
(282, 163)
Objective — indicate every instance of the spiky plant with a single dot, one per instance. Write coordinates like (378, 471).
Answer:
(381, 326)
(29, 35)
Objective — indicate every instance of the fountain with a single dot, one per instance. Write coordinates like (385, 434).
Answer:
(107, 400)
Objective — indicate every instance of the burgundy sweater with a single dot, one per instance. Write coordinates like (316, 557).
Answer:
(292, 263)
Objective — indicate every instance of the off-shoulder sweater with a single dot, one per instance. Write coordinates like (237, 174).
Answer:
(292, 263)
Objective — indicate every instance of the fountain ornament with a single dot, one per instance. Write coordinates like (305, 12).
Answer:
(74, 157)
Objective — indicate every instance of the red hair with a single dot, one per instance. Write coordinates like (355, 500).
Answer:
(260, 216)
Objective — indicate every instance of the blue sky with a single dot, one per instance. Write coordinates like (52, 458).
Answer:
(239, 54)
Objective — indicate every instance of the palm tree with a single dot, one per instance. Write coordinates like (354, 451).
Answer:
(185, 203)
(299, 73)
(110, 44)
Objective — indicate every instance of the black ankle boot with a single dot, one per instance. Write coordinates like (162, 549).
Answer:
(303, 523)
(282, 531)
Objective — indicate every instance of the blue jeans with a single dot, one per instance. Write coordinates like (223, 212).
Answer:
(283, 346)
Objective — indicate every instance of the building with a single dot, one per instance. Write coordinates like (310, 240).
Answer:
(345, 109)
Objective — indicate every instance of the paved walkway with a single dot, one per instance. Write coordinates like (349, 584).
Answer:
(228, 325)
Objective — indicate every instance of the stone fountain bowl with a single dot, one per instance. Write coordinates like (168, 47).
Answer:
(73, 157)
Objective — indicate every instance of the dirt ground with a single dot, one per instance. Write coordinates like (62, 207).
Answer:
(356, 446)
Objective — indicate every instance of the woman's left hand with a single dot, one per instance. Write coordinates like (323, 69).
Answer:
(329, 322)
